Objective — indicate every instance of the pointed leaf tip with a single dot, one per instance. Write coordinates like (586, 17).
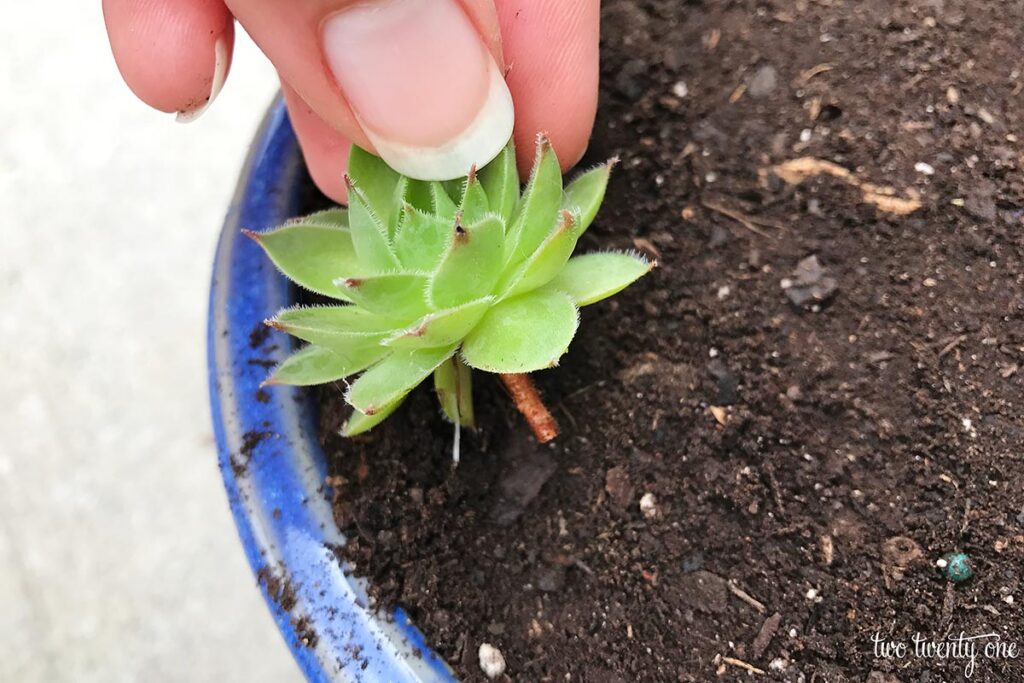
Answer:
(359, 423)
(536, 214)
(311, 251)
(568, 220)
(474, 203)
(548, 259)
(500, 182)
(586, 192)
(543, 142)
(253, 235)
(441, 328)
(590, 278)
(394, 294)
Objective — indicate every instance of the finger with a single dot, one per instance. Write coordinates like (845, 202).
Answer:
(415, 80)
(485, 19)
(325, 149)
(174, 55)
(552, 53)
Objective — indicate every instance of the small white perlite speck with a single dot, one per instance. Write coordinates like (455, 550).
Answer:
(491, 660)
(649, 506)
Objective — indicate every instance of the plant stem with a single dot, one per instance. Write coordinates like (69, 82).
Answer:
(529, 403)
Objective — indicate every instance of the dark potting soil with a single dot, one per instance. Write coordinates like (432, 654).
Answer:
(769, 442)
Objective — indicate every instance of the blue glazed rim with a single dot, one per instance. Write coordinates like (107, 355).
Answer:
(268, 452)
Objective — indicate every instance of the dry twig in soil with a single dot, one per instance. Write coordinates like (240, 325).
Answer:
(743, 665)
(744, 220)
(745, 596)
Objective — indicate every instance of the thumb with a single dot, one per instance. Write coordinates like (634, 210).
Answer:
(417, 81)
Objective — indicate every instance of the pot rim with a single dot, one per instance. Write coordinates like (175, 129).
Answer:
(269, 454)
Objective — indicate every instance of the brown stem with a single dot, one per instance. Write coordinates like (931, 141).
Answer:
(529, 403)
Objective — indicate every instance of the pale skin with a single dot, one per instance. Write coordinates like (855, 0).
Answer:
(345, 83)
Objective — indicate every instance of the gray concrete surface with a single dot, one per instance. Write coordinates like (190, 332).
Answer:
(118, 557)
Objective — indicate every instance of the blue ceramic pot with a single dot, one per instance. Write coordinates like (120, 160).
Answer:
(272, 464)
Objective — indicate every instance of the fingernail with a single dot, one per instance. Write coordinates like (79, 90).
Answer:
(220, 71)
(423, 85)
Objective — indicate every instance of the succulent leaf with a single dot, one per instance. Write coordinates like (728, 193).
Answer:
(593, 277)
(523, 334)
(377, 183)
(474, 200)
(394, 377)
(442, 202)
(415, 193)
(453, 384)
(586, 192)
(454, 188)
(472, 265)
(397, 294)
(339, 328)
(537, 210)
(359, 423)
(442, 278)
(549, 258)
(328, 218)
(311, 254)
(441, 328)
(369, 233)
(500, 180)
(422, 239)
(319, 365)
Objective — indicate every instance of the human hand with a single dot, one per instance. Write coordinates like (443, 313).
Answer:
(417, 81)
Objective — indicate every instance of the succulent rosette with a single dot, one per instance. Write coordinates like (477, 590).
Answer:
(439, 278)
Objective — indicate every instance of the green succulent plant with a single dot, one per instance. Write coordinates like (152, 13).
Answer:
(441, 278)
